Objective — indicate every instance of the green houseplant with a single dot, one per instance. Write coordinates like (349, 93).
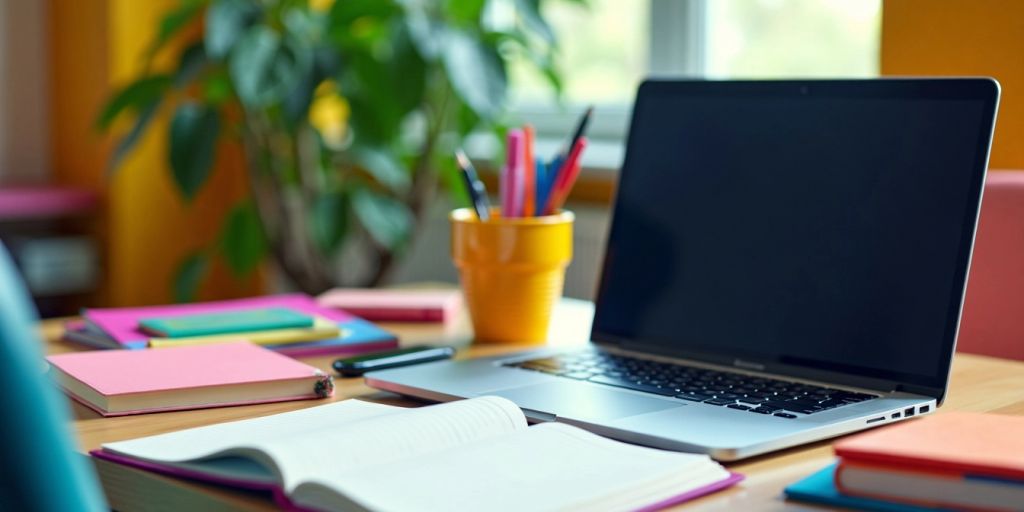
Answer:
(348, 112)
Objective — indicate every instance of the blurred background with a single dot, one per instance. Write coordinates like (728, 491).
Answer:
(175, 150)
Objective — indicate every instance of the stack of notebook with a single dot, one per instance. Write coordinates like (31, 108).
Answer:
(292, 324)
(950, 461)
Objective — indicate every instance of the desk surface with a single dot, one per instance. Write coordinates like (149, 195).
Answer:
(979, 383)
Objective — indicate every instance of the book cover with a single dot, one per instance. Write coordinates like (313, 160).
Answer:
(207, 324)
(386, 305)
(321, 329)
(185, 378)
(962, 442)
(820, 488)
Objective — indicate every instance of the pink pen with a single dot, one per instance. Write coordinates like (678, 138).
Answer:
(512, 176)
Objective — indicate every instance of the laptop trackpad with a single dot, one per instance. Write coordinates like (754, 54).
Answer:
(576, 400)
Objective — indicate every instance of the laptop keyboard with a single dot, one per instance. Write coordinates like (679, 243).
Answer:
(757, 395)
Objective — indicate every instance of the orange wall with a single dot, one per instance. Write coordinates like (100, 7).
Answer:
(95, 46)
(964, 37)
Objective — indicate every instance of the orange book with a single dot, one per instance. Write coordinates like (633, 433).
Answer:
(957, 460)
(959, 442)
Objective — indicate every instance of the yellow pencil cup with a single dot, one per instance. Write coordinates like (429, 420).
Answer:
(512, 271)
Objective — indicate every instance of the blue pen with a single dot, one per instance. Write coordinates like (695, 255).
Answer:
(540, 176)
(550, 177)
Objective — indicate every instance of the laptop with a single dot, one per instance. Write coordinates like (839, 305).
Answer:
(786, 263)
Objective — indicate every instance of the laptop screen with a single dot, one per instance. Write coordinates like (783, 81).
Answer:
(817, 224)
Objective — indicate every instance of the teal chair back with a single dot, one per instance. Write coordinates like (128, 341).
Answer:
(42, 469)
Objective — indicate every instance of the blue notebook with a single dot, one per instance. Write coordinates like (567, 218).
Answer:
(821, 488)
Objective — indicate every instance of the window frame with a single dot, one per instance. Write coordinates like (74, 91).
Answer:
(676, 42)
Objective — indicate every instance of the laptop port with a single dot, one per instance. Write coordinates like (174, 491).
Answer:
(895, 415)
(924, 408)
(908, 412)
(875, 420)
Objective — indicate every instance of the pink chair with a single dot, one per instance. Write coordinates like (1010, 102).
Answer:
(993, 319)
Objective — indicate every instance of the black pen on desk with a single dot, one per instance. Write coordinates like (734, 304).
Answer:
(475, 187)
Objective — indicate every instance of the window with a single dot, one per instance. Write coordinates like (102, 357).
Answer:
(609, 46)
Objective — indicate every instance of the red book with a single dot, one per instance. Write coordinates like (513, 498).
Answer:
(960, 460)
(383, 305)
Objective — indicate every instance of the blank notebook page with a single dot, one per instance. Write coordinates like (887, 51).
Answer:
(546, 467)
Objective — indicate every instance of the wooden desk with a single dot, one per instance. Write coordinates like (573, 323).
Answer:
(978, 384)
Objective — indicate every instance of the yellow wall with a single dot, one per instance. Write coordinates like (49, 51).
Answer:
(964, 37)
(96, 45)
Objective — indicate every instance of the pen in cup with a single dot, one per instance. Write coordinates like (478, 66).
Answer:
(476, 189)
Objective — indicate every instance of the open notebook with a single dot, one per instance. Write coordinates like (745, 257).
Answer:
(472, 455)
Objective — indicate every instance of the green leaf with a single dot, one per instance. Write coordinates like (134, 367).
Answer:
(371, 91)
(138, 96)
(385, 167)
(190, 64)
(476, 72)
(343, 13)
(388, 220)
(408, 70)
(132, 137)
(264, 67)
(194, 131)
(452, 180)
(329, 221)
(172, 23)
(189, 276)
(242, 240)
(304, 24)
(465, 11)
(529, 12)
(226, 21)
(426, 33)
(217, 88)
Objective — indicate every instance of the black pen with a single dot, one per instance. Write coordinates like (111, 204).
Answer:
(475, 187)
(581, 128)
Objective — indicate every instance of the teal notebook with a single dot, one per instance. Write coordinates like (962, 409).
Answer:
(821, 488)
(226, 322)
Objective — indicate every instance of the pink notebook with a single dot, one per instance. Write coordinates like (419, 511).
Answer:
(386, 305)
(121, 382)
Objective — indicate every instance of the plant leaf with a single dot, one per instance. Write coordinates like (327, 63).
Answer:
(138, 96)
(191, 62)
(529, 12)
(189, 276)
(172, 23)
(388, 220)
(385, 167)
(194, 131)
(465, 11)
(226, 21)
(264, 67)
(329, 221)
(477, 73)
(216, 88)
(344, 12)
(132, 137)
(408, 69)
(242, 240)
(426, 33)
